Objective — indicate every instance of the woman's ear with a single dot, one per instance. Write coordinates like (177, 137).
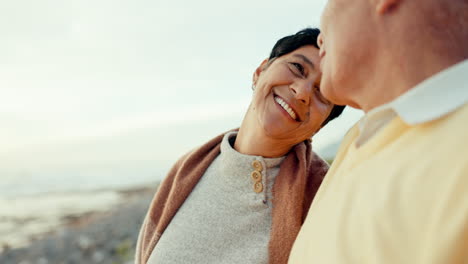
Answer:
(258, 71)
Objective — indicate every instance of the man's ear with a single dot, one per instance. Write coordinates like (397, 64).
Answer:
(258, 71)
(385, 6)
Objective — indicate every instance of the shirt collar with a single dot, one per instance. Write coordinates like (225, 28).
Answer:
(431, 99)
(435, 97)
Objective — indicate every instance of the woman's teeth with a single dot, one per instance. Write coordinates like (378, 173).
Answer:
(285, 107)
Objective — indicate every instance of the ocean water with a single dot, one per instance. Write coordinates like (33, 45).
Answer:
(29, 183)
(119, 159)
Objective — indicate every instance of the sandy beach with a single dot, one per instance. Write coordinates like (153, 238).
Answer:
(99, 226)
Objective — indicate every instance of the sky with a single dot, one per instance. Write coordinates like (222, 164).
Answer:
(94, 87)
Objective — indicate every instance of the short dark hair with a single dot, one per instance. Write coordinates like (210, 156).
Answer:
(285, 45)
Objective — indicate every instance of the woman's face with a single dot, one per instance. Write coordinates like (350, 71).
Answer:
(287, 102)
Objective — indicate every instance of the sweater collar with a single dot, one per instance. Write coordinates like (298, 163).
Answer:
(241, 164)
(228, 151)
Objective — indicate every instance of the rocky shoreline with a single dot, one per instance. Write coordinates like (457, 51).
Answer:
(107, 237)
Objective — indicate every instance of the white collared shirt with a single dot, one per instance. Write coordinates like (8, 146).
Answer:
(431, 99)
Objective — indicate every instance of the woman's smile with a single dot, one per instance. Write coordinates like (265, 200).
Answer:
(286, 107)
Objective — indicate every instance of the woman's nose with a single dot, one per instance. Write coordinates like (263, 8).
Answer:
(302, 91)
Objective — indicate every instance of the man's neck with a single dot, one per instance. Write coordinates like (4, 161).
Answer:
(393, 78)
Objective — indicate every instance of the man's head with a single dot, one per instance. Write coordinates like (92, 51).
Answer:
(374, 50)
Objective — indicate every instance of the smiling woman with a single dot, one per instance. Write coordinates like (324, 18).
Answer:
(286, 107)
(243, 196)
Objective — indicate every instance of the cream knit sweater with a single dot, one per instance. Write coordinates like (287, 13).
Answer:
(223, 220)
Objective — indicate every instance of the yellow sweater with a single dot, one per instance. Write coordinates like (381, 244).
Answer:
(400, 198)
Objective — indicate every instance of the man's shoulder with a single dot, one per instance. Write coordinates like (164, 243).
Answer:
(441, 142)
(454, 123)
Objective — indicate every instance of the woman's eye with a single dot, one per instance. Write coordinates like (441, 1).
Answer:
(298, 67)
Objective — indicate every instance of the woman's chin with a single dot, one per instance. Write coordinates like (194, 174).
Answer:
(278, 131)
(285, 134)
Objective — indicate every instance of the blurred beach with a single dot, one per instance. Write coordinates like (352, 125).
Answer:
(93, 226)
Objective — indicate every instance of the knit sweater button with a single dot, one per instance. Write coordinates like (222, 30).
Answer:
(258, 187)
(256, 176)
(257, 165)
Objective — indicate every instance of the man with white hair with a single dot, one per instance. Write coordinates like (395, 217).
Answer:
(397, 191)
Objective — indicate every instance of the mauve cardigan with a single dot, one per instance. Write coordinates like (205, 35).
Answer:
(299, 178)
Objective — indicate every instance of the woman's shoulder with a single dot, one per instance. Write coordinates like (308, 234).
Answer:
(318, 166)
(199, 152)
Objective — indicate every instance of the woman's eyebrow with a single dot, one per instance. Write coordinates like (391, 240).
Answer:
(305, 59)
